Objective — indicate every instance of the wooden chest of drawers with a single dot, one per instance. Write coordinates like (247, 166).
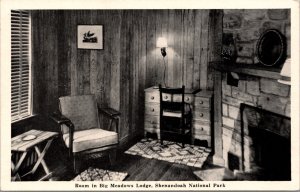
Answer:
(202, 116)
(201, 104)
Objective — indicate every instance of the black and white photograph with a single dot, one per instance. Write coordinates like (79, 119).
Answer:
(181, 98)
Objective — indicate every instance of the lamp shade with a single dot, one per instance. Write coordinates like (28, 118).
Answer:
(286, 72)
(161, 42)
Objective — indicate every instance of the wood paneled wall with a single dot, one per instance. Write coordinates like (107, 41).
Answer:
(129, 63)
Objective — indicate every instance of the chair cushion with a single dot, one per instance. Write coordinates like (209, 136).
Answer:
(91, 138)
(81, 110)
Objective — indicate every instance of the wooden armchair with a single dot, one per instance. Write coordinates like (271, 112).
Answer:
(80, 128)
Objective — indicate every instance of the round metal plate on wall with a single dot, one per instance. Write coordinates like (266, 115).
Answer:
(271, 48)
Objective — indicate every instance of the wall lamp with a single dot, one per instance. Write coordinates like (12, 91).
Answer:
(162, 44)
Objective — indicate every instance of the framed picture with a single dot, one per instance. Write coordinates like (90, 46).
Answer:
(90, 36)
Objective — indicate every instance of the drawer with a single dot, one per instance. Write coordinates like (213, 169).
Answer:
(152, 96)
(201, 128)
(188, 98)
(152, 108)
(202, 102)
(166, 97)
(151, 119)
(202, 114)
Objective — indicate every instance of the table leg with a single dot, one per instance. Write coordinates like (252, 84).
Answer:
(41, 159)
(16, 168)
(15, 177)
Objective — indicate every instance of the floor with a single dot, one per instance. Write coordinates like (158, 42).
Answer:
(138, 168)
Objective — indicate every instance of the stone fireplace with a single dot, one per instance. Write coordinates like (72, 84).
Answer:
(252, 141)
(265, 105)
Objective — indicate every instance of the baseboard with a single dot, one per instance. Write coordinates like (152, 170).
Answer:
(129, 140)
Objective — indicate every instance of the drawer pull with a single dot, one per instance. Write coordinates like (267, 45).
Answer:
(166, 97)
(201, 102)
(202, 129)
(152, 110)
(152, 97)
(201, 114)
(187, 99)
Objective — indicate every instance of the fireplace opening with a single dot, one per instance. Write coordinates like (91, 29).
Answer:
(268, 154)
(272, 155)
(233, 162)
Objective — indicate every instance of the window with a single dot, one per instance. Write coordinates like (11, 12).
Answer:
(20, 65)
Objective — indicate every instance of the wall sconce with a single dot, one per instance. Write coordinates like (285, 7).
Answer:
(286, 73)
(162, 44)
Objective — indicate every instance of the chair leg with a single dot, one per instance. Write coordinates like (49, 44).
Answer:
(112, 157)
(74, 164)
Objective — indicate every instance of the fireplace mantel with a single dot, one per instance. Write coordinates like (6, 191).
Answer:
(253, 69)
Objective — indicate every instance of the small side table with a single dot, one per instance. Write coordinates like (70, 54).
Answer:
(114, 116)
(27, 141)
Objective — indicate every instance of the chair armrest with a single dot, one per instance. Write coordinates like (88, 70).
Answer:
(60, 120)
(113, 114)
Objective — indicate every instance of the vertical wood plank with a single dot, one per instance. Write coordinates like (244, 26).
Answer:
(159, 64)
(51, 63)
(64, 47)
(204, 49)
(151, 49)
(134, 71)
(197, 49)
(142, 47)
(215, 43)
(189, 62)
(115, 60)
(184, 45)
(94, 65)
(83, 59)
(37, 58)
(124, 73)
(215, 40)
(177, 67)
(73, 61)
(107, 62)
(171, 52)
(164, 61)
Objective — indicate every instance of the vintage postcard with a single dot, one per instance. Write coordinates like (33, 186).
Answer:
(149, 95)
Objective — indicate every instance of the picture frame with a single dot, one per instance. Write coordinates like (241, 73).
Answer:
(90, 37)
